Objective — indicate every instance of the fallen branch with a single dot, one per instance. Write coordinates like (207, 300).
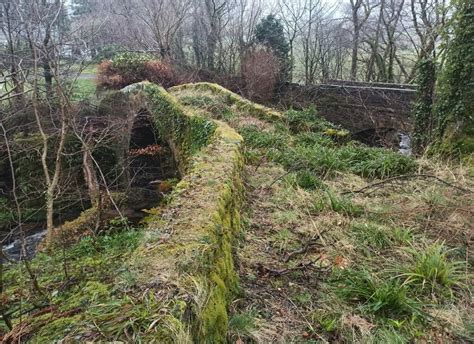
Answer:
(282, 272)
(305, 248)
(404, 177)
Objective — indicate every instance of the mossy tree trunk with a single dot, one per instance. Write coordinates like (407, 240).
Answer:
(455, 100)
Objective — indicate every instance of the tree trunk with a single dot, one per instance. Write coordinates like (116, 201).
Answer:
(355, 52)
(90, 176)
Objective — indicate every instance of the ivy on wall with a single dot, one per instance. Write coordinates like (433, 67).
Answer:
(454, 106)
(422, 112)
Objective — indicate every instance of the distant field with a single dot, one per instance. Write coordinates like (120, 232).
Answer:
(84, 86)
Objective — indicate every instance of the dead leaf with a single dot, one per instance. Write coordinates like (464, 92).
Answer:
(341, 262)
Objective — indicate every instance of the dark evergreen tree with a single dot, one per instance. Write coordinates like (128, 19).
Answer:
(270, 33)
(455, 88)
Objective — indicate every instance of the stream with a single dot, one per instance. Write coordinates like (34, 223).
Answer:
(14, 250)
(405, 144)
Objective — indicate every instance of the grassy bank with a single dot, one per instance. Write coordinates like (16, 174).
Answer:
(386, 263)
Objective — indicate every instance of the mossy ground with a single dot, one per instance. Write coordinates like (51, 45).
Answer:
(316, 264)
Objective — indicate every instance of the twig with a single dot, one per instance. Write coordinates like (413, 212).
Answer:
(305, 247)
(282, 272)
(291, 169)
(406, 176)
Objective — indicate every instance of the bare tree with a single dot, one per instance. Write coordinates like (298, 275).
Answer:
(360, 13)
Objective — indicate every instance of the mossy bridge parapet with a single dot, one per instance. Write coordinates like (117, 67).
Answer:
(186, 259)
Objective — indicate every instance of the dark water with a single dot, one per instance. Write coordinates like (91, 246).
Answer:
(405, 144)
(14, 250)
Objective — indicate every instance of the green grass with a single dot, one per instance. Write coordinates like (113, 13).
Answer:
(431, 268)
(344, 205)
(256, 138)
(384, 297)
(83, 89)
(242, 325)
(366, 286)
(88, 68)
(372, 235)
(83, 280)
(305, 180)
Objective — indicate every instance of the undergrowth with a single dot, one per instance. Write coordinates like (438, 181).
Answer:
(79, 293)
(320, 264)
(310, 143)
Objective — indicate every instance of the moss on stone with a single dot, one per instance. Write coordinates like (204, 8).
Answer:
(192, 238)
(232, 98)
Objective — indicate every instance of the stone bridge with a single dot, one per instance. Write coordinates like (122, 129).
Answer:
(357, 106)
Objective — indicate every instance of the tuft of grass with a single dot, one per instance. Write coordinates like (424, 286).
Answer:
(371, 234)
(243, 324)
(364, 161)
(256, 138)
(282, 239)
(387, 298)
(329, 323)
(388, 335)
(306, 139)
(305, 180)
(339, 204)
(306, 121)
(431, 267)
(402, 235)
(344, 205)
(370, 162)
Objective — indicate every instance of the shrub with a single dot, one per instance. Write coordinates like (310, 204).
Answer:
(260, 70)
(129, 68)
(159, 73)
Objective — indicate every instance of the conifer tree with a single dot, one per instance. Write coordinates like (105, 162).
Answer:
(270, 33)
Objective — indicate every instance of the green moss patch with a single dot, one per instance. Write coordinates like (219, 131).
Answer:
(188, 247)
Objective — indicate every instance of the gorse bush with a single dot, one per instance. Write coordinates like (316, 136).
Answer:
(128, 68)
